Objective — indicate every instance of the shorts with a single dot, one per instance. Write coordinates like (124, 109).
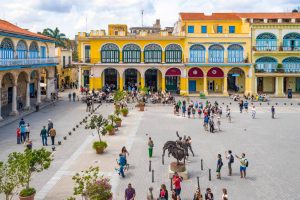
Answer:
(218, 170)
(242, 169)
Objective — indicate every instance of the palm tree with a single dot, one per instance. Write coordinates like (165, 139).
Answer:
(60, 38)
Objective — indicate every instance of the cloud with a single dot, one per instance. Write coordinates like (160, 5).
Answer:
(70, 15)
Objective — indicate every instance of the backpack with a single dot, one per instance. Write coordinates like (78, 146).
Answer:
(247, 163)
(231, 159)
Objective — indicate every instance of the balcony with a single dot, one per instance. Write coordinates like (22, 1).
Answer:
(276, 48)
(28, 61)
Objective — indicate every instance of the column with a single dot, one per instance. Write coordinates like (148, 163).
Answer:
(183, 89)
(121, 83)
(1, 118)
(205, 85)
(14, 110)
(27, 104)
(48, 92)
(38, 96)
(163, 83)
(225, 92)
(255, 85)
(279, 87)
(79, 77)
(142, 80)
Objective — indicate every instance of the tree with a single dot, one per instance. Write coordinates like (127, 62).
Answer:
(60, 38)
(98, 123)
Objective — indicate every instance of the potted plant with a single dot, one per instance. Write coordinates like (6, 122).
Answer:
(141, 105)
(99, 146)
(124, 112)
(110, 128)
(118, 97)
(28, 162)
(280, 68)
(98, 122)
(118, 112)
(118, 121)
(90, 185)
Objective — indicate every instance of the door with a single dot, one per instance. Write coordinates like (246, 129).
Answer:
(43, 52)
(260, 84)
(171, 83)
(297, 84)
(31, 89)
(9, 94)
(231, 81)
(211, 85)
(192, 86)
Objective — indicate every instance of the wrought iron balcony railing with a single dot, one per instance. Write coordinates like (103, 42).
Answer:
(276, 48)
(28, 61)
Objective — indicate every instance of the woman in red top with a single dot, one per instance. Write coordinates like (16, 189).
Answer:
(176, 182)
(18, 135)
(163, 193)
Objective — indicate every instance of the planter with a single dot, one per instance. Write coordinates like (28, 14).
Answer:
(112, 132)
(124, 114)
(31, 197)
(117, 107)
(119, 123)
(99, 150)
(142, 108)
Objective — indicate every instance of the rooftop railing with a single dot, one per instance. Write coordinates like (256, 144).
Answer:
(28, 61)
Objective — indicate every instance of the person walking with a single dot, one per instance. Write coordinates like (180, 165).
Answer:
(197, 195)
(163, 193)
(52, 134)
(211, 124)
(150, 195)
(224, 195)
(50, 125)
(23, 132)
(246, 106)
(177, 183)
(219, 123)
(150, 147)
(183, 108)
(43, 134)
(273, 112)
(189, 144)
(18, 135)
(243, 164)
(70, 96)
(228, 115)
(241, 104)
(253, 112)
(230, 159)
(129, 192)
(74, 96)
(209, 195)
(206, 120)
(219, 166)
(27, 131)
(21, 122)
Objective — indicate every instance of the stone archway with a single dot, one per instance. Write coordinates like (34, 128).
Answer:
(22, 91)
(153, 78)
(111, 78)
(195, 80)
(173, 79)
(132, 78)
(215, 81)
(8, 95)
(236, 80)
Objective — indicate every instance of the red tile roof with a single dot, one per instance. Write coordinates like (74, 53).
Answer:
(7, 27)
(238, 16)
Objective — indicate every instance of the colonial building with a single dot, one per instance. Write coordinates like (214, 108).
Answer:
(215, 54)
(27, 68)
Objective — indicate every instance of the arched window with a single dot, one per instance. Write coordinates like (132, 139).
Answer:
(6, 49)
(173, 53)
(266, 64)
(291, 42)
(152, 53)
(197, 53)
(21, 50)
(216, 54)
(266, 42)
(33, 50)
(110, 53)
(131, 53)
(235, 53)
(291, 64)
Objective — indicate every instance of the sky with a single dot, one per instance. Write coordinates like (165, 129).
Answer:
(73, 16)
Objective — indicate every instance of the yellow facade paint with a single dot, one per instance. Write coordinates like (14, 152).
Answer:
(183, 85)
(121, 83)
(142, 81)
(163, 84)
(199, 84)
(269, 84)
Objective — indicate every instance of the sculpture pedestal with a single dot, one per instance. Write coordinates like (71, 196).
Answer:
(180, 169)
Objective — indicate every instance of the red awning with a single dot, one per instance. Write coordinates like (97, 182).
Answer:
(195, 72)
(215, 73)
(173, 72)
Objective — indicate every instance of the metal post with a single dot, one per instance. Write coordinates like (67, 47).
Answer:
(163, 160)
(198, 183)
(171, 185)
(202, 164)
(149, 165)
(152, 175)
(209, 174)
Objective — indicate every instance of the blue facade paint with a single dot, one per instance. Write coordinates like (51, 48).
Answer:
(231, 29)
(197, 54)
(235, 54)
(220, 29)
(266, 42)
(43, 52)
(203, 29)
(31, 66)
(216, 54)
(191, 29)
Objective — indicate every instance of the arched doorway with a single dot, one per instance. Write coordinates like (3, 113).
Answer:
(7, 83)
(215, 78)
(195, 76)
(173, 79)
(34, 78)
(236, 80)
(152, 79)
(44, 82)
(22, 90)
(132, 78)
(111, 78)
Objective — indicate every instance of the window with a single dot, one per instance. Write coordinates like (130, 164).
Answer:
(43, 52)
(131, 53)
(173, 53)
(21, 50)
(197, 53)
(87, 53)
(33, 50)
(110, 53)
(266, 64)
(235, 53)
(64, 61)
(69, 60)
(216, 53)
(231, 29)
(219, 29)
(6, 49)
(190, 29)
(203, 29)
(152, 53)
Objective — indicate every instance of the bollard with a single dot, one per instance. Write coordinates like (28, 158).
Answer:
(152, 176)
(291, 104)
(285, 104)
(171, 185)
(202, 164)
(198, 183)
(77, 126)
(209, 174)
(65, 137)
(149, 165)
(59, 142)
(70, 133)
(163, 160)
(73, 129)
(276, 104)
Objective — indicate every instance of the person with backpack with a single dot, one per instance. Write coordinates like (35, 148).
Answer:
(230, 159)
(219, 166)
(183, 108)
(246, 106)
(122, 163)
(273, 112)
(243, 164)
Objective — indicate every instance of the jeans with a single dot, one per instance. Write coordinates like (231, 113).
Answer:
(44, 140)
(23, 137)
(177, 191)
(52, 139)
(121, 171)
(229, 169)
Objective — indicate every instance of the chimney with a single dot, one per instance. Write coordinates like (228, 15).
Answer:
(157, 23)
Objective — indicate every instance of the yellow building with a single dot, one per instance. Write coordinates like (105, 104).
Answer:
(212, 54)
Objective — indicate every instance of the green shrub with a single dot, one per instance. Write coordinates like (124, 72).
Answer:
(109, 127)
(118, 119)
(124, 111)
(26, 192)
(99, 144)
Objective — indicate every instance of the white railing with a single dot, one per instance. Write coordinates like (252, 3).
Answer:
(28, 61)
